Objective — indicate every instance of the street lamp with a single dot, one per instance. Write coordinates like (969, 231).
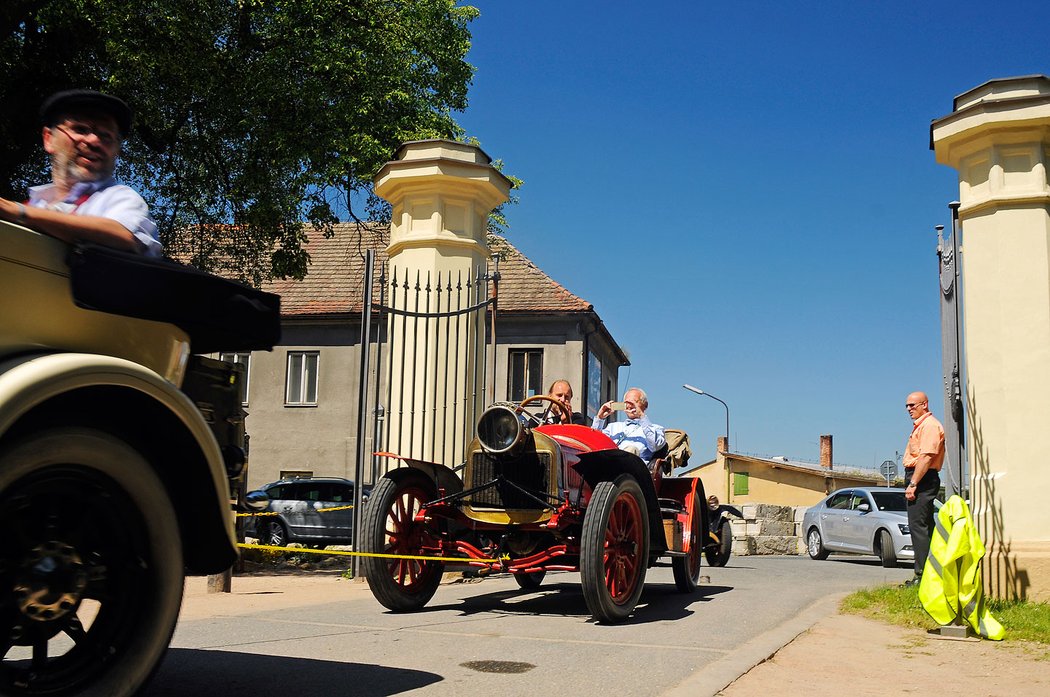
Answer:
(708, 394)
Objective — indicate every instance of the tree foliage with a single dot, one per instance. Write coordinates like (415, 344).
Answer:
(252, 116)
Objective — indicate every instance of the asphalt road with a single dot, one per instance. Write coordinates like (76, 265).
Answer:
(491, 637)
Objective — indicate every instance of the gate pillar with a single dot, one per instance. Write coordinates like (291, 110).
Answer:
(441, 193)
(998, 139)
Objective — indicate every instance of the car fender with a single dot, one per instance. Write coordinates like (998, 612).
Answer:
(685, 490)
(441, 475)
(38, 390)
(602, 465)
(897, 540)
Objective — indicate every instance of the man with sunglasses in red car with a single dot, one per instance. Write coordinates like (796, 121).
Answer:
(82, 132)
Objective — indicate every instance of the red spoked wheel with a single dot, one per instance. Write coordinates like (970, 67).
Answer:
(614, 549)
(687, 569)
(401, 585)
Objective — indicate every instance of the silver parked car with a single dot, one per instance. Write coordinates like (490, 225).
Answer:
(862, 520)
(302, 511)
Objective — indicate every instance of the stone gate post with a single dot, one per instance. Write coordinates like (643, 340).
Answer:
(442, 193)
(998, 139)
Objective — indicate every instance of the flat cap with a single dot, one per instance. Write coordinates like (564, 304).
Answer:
(70, 101)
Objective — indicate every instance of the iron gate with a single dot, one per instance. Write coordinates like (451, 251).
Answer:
(427, 386)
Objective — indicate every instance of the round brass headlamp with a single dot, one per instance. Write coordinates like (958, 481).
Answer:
(500, 429)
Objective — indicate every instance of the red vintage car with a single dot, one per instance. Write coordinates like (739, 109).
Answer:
(534, 497)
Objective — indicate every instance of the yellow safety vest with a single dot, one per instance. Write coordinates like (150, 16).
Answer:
(951, 580)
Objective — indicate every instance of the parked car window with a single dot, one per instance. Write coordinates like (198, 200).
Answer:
(840, 500)
(890, 500)
(310, 492)
(292, 492)
(339, 493)
(277, 492)
(858, 498)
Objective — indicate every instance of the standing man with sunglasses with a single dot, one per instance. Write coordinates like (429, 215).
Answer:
(923, 458)
(82, 132)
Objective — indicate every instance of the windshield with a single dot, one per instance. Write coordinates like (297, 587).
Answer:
(890, 500)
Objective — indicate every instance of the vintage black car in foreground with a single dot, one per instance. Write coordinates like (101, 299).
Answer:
(120, 452)
(534, 498)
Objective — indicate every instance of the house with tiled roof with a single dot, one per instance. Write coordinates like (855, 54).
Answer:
(742, 478)
(302, 398)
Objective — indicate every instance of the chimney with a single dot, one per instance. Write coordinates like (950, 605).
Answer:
(825, 452)
(723, 445)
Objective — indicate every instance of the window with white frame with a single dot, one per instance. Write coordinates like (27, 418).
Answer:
(525, 375)
(301, 385)
(244, 359)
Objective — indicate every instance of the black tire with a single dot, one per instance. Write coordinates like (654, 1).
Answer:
(401, 585)
(530, 582)
(275, 534)
(614, 549)
(85, 518)
(687, 569)
(815, 545)
(719, 555)
(886, 553)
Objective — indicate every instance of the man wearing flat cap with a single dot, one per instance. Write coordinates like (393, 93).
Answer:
(82, 132)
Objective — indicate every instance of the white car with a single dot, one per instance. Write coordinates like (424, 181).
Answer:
(861, 520)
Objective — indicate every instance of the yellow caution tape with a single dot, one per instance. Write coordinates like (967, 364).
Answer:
(339, 552)
(319, 510)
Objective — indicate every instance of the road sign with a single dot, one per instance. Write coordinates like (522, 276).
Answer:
(889, 470)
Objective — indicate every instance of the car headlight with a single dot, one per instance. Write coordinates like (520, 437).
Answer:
(905, 530)
(500, 429)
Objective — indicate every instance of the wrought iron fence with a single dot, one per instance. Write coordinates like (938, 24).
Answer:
(428, 386)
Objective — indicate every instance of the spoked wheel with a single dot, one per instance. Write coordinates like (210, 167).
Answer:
(401, 585)
(91, 569)
(614, 549)
(815, 545)
(687, 569)
(530, 582)
(718, 553)
(276, 535)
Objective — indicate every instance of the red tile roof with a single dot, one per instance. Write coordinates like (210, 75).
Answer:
(524, 287)
(335, 280)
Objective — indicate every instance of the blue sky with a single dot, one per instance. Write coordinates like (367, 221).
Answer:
(745, 192)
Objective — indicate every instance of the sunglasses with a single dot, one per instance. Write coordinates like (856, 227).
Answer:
(82, 131)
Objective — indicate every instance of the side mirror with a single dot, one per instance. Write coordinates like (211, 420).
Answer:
(864, 508)
(257, 500)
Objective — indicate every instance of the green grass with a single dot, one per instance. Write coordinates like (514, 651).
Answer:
(1024, 621)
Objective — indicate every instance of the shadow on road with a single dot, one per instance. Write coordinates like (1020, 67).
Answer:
(665, 602)
(867, 561)
(659, 601)
(201, 672)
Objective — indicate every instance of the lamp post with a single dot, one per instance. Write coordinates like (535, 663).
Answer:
(708, 394)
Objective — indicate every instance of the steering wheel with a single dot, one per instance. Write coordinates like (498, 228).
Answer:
(541, 418)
